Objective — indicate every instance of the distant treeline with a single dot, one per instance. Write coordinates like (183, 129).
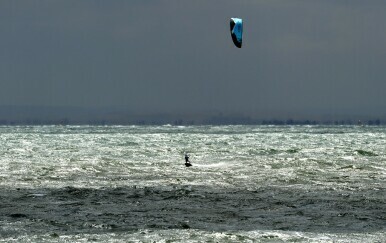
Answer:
(47, 115)
(314, 122)
(223, 120)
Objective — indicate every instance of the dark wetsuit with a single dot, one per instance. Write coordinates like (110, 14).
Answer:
(187, 162)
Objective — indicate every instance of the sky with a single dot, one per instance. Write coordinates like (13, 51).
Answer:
(299, 59)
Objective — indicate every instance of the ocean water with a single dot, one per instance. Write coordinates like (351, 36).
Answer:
(247, 184)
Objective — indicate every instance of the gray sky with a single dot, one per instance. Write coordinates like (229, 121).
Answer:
(299, 57)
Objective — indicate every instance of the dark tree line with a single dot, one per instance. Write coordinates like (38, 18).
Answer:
(216, 120)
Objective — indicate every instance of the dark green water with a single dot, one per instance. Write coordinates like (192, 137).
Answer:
(247, 183)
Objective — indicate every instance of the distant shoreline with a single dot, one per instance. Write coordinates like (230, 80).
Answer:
(25, 115)
(35, 122)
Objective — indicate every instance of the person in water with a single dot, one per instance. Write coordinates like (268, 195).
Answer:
(187, 162)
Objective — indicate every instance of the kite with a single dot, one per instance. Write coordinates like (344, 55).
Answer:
(237, 31)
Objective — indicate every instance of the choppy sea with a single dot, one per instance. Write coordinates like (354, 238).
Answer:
(247, 184)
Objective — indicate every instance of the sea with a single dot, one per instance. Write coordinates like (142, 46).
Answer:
(247, 183)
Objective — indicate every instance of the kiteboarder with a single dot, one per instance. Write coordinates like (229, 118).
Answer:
(187, 162)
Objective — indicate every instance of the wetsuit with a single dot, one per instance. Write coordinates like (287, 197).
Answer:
(187, 162)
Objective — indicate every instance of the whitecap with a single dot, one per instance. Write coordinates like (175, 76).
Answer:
(220, 164)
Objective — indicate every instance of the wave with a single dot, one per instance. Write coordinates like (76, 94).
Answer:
(221, 164)
(365, 153)
(272, 151)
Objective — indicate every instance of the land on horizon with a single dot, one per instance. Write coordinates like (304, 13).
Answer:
(24, 115)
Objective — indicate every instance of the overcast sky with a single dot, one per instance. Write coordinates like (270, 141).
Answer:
(299, 57)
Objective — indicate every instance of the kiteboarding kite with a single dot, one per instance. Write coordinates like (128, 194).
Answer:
(237, 31)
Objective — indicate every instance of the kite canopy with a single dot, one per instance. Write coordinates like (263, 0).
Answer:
(237, 31)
